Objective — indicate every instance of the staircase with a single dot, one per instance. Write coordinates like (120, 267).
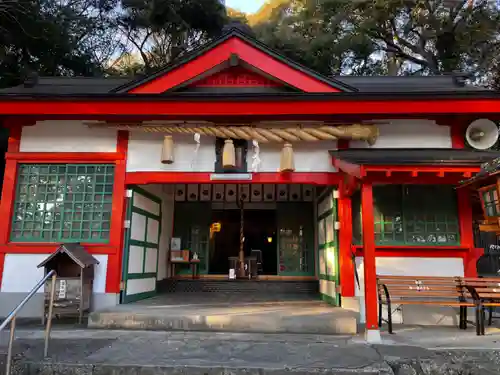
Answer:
(255, 287)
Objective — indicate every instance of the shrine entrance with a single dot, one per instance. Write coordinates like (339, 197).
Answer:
(260, 239)
(278, 227)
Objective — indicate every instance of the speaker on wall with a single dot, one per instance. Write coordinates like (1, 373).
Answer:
(482, 134)
(180, 192)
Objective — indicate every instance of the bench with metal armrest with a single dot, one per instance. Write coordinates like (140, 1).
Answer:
(422, 290)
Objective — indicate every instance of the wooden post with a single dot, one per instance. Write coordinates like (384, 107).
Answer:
(371, 305)
(345, 241)
(241, 255)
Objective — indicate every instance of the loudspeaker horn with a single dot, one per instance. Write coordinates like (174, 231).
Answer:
(482, 134)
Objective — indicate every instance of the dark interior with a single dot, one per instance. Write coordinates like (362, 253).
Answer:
(260, 234)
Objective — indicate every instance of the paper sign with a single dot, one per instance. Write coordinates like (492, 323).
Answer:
(62, 289)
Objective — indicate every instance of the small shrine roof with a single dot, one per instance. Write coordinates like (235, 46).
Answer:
(76, 252)
(423, 156)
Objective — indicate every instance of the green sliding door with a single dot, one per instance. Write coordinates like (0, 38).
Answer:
(142, 237)
(328, 248)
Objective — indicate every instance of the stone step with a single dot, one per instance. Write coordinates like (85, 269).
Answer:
(240, 286)
(308, 316)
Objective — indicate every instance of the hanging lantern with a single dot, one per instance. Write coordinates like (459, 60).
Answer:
(287, 163)
(228, 154)
(167, 152)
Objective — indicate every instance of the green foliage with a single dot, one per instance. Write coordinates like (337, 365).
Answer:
(52, 37)
(162, 30)
(382, 36)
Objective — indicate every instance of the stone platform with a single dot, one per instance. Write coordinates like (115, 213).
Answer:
(229, 313)
(411, 351)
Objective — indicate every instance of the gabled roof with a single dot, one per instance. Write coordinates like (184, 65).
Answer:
(76, 252)
(234, 46)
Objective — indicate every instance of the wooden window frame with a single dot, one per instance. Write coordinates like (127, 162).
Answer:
(404, 225)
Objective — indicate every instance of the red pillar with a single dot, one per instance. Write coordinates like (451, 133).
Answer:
(466, 232)
(371, 304)
(345, 241)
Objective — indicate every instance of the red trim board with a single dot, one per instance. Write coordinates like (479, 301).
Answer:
(222, 53)
(2, 264)
(314, 178)
(65, 157)
(114, 270)
(190, 108)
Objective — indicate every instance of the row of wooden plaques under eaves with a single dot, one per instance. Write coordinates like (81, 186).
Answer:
(245, 192)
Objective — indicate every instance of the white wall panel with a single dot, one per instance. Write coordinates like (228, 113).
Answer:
(144, 153)
(21, 274)
(151, 260)
(136, 286)
(153, 228)
(146, 204)
(308, 156)
(100, 272)
(138, 228)
(66, 136)
(136, 259)
(166, 193)
(409, 134)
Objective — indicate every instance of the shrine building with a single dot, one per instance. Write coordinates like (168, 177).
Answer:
(235, 162)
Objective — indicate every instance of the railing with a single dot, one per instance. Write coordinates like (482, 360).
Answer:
(11, 318)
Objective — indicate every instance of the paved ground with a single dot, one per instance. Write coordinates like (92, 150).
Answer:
(413, 350)
(229, 313)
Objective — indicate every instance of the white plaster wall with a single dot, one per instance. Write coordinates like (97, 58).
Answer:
(21, 274)
(144, 153)
(66, 136)
(409, 134)
(399, 266)
(166, 193)
(308, 156)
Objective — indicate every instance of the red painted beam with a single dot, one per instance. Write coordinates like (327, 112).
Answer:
(65, 157)
(155, 106)
(409, 251)
(313, 178)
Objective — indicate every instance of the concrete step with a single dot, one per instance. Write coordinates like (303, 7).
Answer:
(310, 316)
(240, 286)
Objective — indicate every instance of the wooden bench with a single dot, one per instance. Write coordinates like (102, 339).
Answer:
(485, 291)
(422, 290)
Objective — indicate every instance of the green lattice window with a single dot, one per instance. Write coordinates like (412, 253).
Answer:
(63, 203)
(411, 215)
